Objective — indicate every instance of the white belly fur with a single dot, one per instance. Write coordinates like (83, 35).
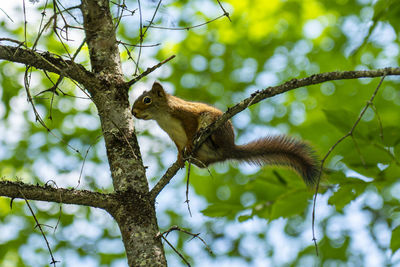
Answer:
(174, 129)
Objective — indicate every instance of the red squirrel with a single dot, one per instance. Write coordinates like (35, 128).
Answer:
(182, 119)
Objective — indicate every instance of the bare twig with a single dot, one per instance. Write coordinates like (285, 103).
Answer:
(84, 161)
(6, 14)
(54, 88)
(379, 121)
(176, 251)
(120, 14)
(152, 18)
(177, 228)
(225, 12)
(148, 71)
(38, 225)
(186, 28)
(12, 40)
(350, 133)
(187, 189)
(121, 8)
(135, 45)
(37, 115)
(141, 36)
(25, 21)
(60, 203)
(40, 31)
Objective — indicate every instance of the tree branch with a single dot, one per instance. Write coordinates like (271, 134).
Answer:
(59, 195)
(267, 93)
(46, 61)
(148, 71)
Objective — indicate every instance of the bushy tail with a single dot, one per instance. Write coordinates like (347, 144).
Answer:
(280, 150)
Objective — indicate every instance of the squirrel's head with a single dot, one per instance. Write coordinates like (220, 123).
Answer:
(147, 106)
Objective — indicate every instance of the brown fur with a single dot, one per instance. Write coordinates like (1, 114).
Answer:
(182, 119)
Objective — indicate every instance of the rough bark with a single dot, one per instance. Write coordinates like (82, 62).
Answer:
(59, 195)
(48, 62)
(135, 211)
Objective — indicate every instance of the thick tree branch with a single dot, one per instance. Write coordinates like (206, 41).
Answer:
(266, 93)
(59, 195)
(46, 61)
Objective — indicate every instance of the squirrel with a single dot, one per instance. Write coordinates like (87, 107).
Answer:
(182, 119)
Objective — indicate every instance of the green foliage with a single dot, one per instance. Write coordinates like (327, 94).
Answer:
(395, 241)
(267, 43)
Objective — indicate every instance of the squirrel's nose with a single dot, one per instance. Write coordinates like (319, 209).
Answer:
(134, 112)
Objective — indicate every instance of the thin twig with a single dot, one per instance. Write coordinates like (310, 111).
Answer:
(60, 214)
(176, 251)
(37, 115)
(121, 7)
(12, 40)
(350, 133)
(54, 88)
(84, 161)
(177, 228)
(186, 28)
(152, 18)
(53, 261)
(379, 122)
(25, 21)
(225, 12)
(6, 15)
(358, 151)
(187, 189)
(148, 71)
(135, 45)
(141, 35)
(39, 34)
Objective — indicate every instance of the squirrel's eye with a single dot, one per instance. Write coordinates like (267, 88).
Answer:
(147, 100)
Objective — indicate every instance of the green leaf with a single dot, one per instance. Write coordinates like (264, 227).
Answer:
(391, 135)
(222, 210)
(289, 204)
(395, 240)
(343, 196)
(342, 119)
(332, 249)
(347, 193)
(337, 177)
(244, 218)
(364, 159)
(266, 189)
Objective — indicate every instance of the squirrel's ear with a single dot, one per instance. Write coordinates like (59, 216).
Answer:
(158, 89)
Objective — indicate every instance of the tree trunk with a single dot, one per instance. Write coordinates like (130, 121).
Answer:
(135, 211)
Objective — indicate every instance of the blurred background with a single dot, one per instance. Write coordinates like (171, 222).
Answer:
(248, 216)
